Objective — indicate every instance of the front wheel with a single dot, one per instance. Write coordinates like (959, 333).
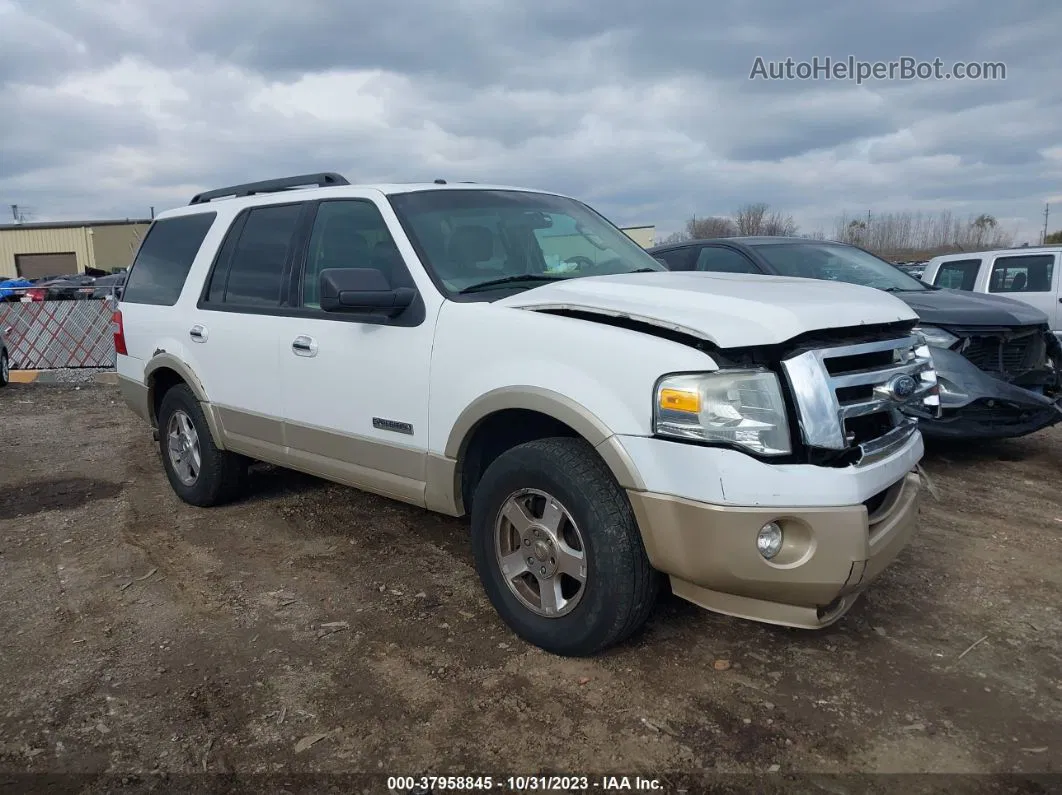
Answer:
(558, 550)
(5, 369)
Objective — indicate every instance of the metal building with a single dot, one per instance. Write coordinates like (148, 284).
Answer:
(35, 250)
(644, 236)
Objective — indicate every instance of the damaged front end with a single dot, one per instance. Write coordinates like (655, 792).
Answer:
(995, 382)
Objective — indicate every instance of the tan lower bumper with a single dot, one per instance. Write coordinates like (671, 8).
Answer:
(136, 397)
(828, 557)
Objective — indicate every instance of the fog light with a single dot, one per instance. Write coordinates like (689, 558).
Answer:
(769, 540)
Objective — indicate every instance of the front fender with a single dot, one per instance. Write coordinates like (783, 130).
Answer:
(596, 378)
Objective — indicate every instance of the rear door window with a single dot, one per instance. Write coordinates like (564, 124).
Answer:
(161, 266)
(958, 274)
(1030, 273)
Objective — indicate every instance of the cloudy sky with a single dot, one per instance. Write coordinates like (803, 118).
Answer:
(644, 109)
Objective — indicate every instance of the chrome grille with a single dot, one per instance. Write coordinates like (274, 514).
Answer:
(849, 398)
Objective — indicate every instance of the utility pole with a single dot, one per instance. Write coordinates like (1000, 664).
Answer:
(1047, 211)
(152, 213)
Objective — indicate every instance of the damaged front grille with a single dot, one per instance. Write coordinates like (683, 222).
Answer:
(858, 399)
(1004, 353)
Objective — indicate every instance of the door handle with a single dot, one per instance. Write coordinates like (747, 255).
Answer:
(198, 333)
(304, 346)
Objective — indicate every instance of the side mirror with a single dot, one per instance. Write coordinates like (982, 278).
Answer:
(362, 290)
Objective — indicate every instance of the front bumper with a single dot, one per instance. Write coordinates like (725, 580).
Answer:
(829, 556)
(977, 405)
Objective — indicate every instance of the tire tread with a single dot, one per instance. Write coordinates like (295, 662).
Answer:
(632, 591)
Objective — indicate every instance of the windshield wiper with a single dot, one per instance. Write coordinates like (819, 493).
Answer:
(515, 279)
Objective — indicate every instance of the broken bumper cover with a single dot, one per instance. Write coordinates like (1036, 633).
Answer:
(828, 557)
(978, 405)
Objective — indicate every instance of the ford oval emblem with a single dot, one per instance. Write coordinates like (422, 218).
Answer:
(901, 387)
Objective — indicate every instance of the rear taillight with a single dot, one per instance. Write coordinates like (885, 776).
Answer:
(119, 333)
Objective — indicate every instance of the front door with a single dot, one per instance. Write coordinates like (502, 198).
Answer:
(1031, 278)
(356, 388)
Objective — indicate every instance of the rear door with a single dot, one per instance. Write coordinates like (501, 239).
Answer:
(1032, 278)
(234, 330)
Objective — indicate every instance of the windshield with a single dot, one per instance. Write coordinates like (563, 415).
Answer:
(837, 263)
(470, 237)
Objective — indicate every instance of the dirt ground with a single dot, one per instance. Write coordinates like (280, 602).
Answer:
(312, 629)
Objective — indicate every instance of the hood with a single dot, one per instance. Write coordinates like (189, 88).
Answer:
(961, 308)
(730, 310)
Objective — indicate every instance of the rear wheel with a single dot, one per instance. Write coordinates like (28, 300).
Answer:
(558, 550)
(199, 472)
(5, 369)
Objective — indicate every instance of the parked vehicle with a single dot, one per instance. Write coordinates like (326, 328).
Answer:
(997, 362)
(5, 361)
(12, 289)
(108, 286)
(1028, 274)
(914, 269)
(76, 286)
(510, 355)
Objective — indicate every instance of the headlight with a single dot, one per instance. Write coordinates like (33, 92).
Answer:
(937, 337)
(739, 407)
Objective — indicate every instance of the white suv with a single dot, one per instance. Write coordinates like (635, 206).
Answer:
(609, 425)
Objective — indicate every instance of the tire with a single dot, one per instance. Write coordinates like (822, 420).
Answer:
(5, 372)
(220, 475)
(620, 587)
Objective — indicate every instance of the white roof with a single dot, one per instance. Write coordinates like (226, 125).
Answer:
(334, 191)
(1014, 251)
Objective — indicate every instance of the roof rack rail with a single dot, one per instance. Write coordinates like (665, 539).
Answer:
(322, 180)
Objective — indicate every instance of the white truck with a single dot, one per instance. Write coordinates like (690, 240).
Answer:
(610, 427)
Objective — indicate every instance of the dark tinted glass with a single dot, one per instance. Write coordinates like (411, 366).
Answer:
(164, 259)
(1030, 273)
(351, 234)
(724, 260)
(255, 273)
(676, 259)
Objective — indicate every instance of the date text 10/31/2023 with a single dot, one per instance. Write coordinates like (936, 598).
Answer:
(426, 785)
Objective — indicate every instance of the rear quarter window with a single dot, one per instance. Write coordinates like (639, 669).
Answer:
(161, 266)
